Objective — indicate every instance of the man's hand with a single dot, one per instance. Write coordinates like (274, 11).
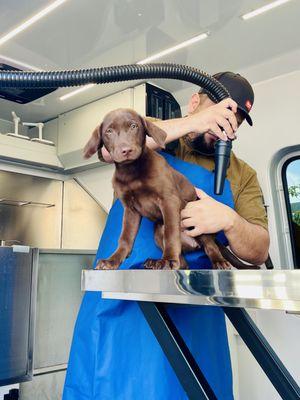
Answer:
(206, 216)
(216, 119)
(248, 241)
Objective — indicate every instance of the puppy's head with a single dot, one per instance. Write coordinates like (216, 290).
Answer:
(123, 133)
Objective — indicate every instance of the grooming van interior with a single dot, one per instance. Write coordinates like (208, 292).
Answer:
(75, 328)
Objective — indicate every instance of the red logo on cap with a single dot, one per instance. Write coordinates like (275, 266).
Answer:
(248, 105)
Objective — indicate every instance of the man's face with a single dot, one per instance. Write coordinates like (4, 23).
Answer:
(205, 142)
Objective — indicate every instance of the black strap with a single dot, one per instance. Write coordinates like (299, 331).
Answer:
(269, 263)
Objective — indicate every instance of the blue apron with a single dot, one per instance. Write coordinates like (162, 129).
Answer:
(114, 354)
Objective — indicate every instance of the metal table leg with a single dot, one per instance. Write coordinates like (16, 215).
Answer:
(187, 370)
(264, 354)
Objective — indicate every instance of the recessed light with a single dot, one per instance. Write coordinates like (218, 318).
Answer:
(19, 63)
(31, 21)
(146, 60)
(264, 9)
(179, 46)
(75, 92)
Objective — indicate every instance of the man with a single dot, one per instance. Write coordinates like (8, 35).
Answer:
(246, 226)
(246, 230)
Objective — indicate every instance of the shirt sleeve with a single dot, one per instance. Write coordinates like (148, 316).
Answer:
(249, 203)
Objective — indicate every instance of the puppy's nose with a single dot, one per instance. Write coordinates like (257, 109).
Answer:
(126, 151)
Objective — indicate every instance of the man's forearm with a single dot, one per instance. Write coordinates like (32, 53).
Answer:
(248, 241)
(174, 128)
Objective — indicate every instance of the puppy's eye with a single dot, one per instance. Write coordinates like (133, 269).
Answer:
(133, 126)
(109, 131)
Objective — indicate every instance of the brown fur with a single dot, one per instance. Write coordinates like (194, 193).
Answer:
(148, 186)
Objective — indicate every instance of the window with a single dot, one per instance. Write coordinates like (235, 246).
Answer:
(291, 184)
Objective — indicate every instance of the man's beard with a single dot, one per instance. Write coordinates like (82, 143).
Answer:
(198, 143)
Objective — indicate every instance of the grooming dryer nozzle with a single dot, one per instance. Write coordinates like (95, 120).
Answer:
(222, 158)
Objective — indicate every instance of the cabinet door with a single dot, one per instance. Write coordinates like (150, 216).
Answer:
(58, 300)
(17, 303)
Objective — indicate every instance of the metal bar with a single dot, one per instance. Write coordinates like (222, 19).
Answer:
(22, 203)
(183, 363)
(50, 370)
(278, 290)
(32, 312)
(264, 354)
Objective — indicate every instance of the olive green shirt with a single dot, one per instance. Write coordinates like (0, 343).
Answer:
(247, 195)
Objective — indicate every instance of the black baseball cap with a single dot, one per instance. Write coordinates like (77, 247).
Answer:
(240, 91)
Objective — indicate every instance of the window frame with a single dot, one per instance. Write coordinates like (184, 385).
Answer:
(288, 205)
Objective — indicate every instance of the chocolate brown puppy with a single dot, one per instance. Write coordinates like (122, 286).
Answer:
(149, 187)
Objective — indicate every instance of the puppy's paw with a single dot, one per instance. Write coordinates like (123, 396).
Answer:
(107, 264)
(162, 264)
(221, 264)
(150, 263)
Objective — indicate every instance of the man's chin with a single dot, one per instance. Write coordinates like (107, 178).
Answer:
(204, 145)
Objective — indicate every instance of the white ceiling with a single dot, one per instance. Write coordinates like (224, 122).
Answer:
(91, 33)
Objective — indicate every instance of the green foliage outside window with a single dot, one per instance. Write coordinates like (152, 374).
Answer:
(294, 192)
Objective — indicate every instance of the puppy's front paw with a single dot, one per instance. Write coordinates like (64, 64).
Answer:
(162, 264)
(107, 264)
(221, 264)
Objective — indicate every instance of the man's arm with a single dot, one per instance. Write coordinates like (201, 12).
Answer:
(215, 119)
(252, 221)
(249, 241)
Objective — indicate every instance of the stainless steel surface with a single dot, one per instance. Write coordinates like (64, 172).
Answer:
(68, 251)
(48, 213)
(83, 218)
(278, 289)
(34, 226)
(18, 279)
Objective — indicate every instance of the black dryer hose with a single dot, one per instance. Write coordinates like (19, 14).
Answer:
(56, 79)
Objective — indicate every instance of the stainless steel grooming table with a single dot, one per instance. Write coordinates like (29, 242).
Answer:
(232, 290)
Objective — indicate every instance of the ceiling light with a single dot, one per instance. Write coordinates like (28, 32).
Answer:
(175, 48)
(146, 60)
(264, 9)
(30, 21)
(80, 90)
(18, 63)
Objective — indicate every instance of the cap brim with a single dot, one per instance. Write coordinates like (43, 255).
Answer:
(246, 115)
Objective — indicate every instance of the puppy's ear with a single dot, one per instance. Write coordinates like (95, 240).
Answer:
(94, 144)
(158, 135)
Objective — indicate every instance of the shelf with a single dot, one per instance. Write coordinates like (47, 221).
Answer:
(22, 203)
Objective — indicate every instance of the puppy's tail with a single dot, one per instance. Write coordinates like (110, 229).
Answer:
(234, 261)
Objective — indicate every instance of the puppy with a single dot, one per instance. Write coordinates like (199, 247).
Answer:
(149, 187)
